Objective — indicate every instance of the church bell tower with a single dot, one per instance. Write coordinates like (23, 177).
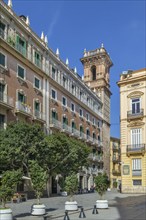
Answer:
(97, 65)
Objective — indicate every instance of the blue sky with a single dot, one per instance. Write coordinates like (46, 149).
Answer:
(72, 26)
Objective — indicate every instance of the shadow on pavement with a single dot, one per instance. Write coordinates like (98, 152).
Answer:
(131, 208)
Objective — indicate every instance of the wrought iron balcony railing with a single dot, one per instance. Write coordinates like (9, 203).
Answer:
(135, 114)
(6, 100)
(136, 172)
(136, 148)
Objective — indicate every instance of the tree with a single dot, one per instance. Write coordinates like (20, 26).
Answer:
(66, 154)
(38, 179)
(101, 184)
(71, 185)
(8, 182)
(19, 143)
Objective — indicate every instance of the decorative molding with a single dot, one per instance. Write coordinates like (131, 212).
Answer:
(136, 123)
(135, 93)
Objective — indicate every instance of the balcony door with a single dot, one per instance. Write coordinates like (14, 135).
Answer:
(136, 137)
(2, 89)
(135, 106)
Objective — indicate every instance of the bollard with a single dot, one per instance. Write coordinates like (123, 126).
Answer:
(82, 214)
(66, 217)
(95, 211)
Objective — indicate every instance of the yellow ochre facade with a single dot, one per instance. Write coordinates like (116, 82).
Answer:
(132, 86)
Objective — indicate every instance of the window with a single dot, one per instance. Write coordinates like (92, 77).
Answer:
(21, 45)
(2, 89)
(73, 89)
(53, 72)
(2, 29)
(37, 59)
(21, 72)
(37, 83)
(2, 121)
(94, 136)
(54, 94)
(81, 130)
(137, 183)
(136, 167)
(135, 106)
(72, 107)
(88, 133)
(64, 82)
(136, 136)
(37, 109)
(21, 97)
(93, 70)
(81, 112)
(2, 59)
(64, 101)
(93, 121)
(37, 106)
(87, 116)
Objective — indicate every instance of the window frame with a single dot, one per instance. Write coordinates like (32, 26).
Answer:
(54, 93)
(64, 98)
(18, 65)
(5, 59)
(35, 77)
(72, 104)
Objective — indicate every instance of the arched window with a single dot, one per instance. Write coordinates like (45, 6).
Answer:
(93, 71)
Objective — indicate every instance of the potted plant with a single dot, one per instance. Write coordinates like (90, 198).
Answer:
(38, 181)
(71, 187)
(8, 183)
(101, 185)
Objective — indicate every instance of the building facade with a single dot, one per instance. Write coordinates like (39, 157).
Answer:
(38, 87)
(132, 86)
(115, 162)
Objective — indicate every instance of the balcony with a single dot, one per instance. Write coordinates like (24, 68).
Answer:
(116, 172)
(39, 116)
(95, 158)
(116, 159)
(134, 115)
(55, 124)
(6, 101)
(136, 149)
(136, 172)
(116, 147)
(75, 133)
(23, 109)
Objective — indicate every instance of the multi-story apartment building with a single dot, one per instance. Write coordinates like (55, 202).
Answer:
(133, 130)
(37, 86)
(115, 162)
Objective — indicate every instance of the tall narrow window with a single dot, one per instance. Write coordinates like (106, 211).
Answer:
(136, 167)
(93, 70)
(37, 59)
(37, 83)
(2, 30)
(136, 137)
(21, 97)
(2, 89)
(54, 95)
(21, 45)
(53, 72)
(135, 106)
(2, 60)
(21, 72)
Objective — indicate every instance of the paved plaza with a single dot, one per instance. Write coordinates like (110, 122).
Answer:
(121, 207)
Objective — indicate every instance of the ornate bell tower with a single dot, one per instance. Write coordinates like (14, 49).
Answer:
(97, 65)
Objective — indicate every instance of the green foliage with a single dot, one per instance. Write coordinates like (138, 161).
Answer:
(66, 154)
(101, 183)
(38, 178)
(9, 181)
(71, 184)
(19, 143)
